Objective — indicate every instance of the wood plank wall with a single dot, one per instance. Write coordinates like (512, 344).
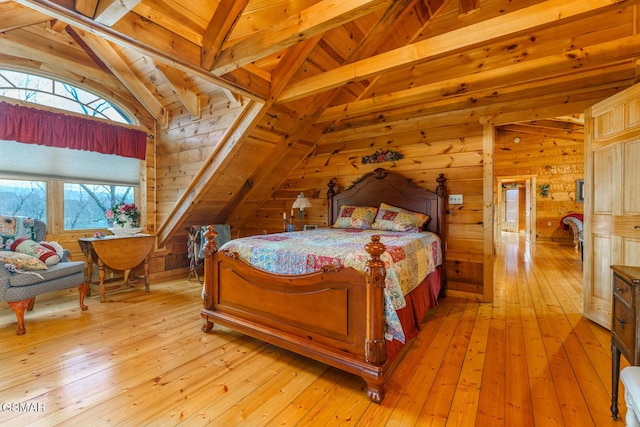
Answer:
(181, 150)
(426, 154)
(555, 160)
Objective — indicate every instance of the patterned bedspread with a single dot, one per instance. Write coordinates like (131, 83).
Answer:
(409, 258)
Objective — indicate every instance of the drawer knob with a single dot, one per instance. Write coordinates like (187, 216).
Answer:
(619, 290)
(622, 322)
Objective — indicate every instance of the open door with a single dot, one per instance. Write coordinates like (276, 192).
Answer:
(612, 197)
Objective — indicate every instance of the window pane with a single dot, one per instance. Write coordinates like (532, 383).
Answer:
(85, 204)
(23, 198)
(29, 81)
(53, 93)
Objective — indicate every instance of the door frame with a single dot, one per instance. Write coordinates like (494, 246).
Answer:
(530, 203)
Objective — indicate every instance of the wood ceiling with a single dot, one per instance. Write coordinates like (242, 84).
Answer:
(338, 67)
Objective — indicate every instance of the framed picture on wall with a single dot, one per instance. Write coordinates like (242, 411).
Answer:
(579, 190)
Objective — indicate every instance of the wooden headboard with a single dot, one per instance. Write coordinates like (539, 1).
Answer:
(385, 186)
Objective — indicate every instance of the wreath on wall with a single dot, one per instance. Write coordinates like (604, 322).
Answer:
(380, 156)
(544, 190)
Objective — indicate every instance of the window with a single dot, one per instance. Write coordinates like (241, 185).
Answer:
(53, 93)
(85, 204)
(49, 182)
(23, 198)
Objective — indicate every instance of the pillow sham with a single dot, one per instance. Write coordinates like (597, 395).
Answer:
(22, 261)
(44, 253)
(393, 218)
(359, 217)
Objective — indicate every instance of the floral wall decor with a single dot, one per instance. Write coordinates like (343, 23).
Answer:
(544, 190)
(380, 156)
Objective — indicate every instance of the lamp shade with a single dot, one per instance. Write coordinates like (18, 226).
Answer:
(301, 202)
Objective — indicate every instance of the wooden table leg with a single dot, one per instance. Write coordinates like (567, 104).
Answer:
(88, 273)
(615, 376)
(145, 266)
(101, 274)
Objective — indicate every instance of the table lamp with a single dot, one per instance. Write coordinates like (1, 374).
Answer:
(301, 203)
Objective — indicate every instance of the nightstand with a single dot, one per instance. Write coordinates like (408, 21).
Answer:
(625, 281)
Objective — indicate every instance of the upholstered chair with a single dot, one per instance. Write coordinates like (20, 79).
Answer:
(19, 289)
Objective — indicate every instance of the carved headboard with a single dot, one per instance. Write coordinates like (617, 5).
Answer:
(385, 186)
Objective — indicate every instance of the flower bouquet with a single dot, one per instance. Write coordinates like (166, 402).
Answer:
(124, 219)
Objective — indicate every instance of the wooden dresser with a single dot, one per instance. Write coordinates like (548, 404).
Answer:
(624, 324)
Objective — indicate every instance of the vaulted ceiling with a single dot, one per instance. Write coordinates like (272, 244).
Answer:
(335, 68)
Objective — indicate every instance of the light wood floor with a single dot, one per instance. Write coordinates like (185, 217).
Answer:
(528, 359)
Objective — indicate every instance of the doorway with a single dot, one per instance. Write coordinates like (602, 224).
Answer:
(516, 206)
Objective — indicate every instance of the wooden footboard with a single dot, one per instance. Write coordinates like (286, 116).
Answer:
(319, 315)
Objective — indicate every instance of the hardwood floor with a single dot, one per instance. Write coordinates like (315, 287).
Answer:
(530, 358)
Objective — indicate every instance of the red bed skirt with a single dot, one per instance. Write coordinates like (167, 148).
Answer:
(418, 303)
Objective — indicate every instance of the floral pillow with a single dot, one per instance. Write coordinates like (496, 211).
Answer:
(43, 252)
(359, 217)
(22, 261)
(393, 218)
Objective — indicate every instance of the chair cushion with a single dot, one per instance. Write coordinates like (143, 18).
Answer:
(21, 261)
(60, 270)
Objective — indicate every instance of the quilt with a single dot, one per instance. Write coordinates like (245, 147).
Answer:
(408, 259)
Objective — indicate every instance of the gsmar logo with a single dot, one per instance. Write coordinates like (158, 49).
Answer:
(23, 407)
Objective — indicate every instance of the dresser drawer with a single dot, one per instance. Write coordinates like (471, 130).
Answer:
(624, 324)
(622, 289)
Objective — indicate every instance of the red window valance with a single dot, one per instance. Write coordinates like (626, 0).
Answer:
(33, 126)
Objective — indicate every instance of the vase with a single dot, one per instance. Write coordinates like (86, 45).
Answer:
(126, 229)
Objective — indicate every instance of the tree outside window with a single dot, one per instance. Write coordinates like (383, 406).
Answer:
(23, 198)
(85, 204)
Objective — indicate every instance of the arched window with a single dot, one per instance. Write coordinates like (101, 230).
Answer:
(50, 92)
(36, 178)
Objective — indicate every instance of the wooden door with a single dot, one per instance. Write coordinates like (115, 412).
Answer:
(612, 197)
(511, 210)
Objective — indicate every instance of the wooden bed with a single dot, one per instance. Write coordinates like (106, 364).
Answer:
(333, 316)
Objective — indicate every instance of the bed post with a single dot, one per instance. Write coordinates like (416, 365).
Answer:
(441, 191)
(375, 351)
(210, 248)
(330, 193)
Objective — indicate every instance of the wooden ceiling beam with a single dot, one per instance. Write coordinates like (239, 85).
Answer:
(17, 16)
(234, 99)
(217, 32)
(467, 6)
(291, 61)
(186, 96)
(474, 106)
(316, 19)
(539, 16)
(382, 28)
(13, 46)
(119, 68)
(565, 63)
(109, 12)
(143, 36)
(86, 7)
